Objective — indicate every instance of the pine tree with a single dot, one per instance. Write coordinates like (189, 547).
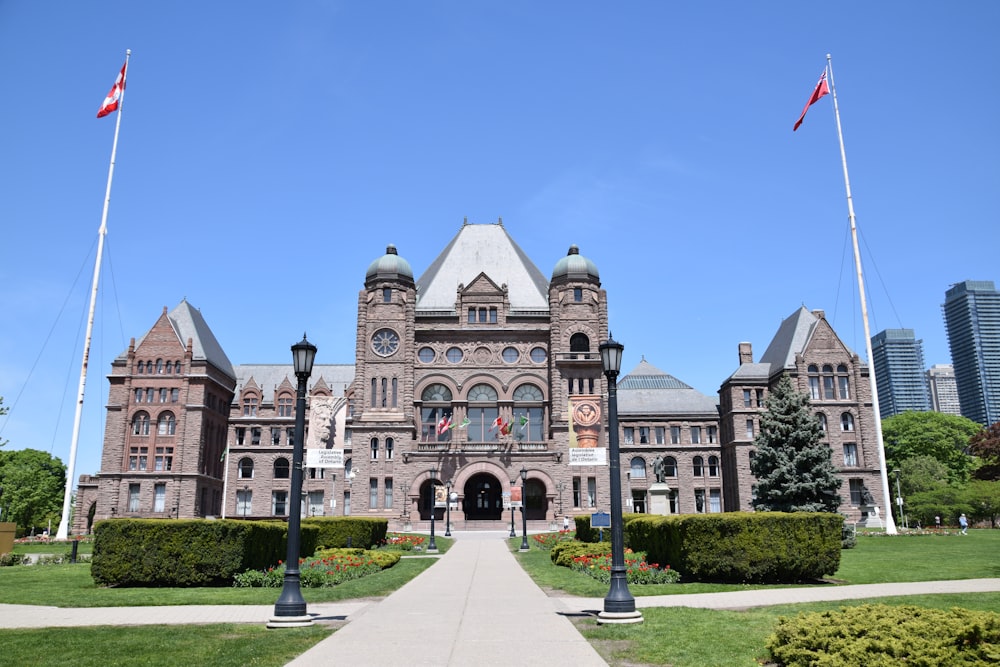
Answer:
(793, 468)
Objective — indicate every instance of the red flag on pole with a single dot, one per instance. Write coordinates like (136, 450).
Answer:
(114, 97)
(821, 90)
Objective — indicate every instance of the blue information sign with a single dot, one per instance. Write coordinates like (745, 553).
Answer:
(600, 520)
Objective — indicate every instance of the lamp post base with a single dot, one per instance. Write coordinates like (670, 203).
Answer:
(289, 621)
(610, 617)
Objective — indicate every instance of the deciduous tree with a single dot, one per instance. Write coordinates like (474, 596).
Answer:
(33, 483)
(945, 437)
(986, 445)
(793, 467)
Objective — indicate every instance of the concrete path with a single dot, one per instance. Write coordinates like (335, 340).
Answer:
(475, 607)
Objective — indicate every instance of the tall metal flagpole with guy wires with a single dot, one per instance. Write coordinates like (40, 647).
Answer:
(890, 525)
(114, 101)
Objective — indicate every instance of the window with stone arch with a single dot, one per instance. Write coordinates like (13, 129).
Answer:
(843, 383)
(713, 466)
(281, 468)
(698, 466)
(166, 424)
(637, 468)
(579, 342)
(829, 393)
(529, 413)
(140, 423)
(435, 407)
(814, 390)
(483, 414)
(669, 466)
(847, 422)
(250, 403)
(245, 468)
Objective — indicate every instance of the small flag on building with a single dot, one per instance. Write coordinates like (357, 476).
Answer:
(465, 422)
(523, 422)
(496, 423)
(110, 103)
(225, 451)
(444, 424)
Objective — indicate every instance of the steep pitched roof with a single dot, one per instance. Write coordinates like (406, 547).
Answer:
(792, 337)
(269, 377)
(485, 249)
(648, 390)
(187, 323)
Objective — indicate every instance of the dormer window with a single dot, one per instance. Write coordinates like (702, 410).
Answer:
(483, 315)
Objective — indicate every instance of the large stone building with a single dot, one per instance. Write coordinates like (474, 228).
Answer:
(478, 372)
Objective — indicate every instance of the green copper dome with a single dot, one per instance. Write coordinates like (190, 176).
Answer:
(389, 266)
(575, 266)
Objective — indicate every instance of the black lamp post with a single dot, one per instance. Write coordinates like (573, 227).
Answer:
(524, 515)
(512, 533)
(432, 545)
(447, 521)
(619, 605)
(290, 609)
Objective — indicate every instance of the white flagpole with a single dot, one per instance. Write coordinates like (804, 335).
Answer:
(225, 481)
(890, 524)
(63, 531)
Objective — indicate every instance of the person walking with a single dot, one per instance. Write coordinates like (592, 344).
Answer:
(964, 523)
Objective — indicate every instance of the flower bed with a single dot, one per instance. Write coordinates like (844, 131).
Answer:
(548, 540)
(637, 570)
(319, 571)
(403, 542)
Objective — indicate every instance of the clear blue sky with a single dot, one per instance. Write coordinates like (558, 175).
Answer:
(270, 151)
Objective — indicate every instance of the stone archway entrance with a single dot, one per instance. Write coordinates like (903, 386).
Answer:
(483, 498)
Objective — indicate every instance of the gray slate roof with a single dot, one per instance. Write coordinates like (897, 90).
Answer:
(485, 249)
(269, 376)
(649, 391)
(187, 322)
(792, 337)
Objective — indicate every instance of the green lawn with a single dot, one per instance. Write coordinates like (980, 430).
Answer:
(56, 548)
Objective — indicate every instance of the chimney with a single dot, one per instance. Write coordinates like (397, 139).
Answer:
(820, 314)
(746, 353)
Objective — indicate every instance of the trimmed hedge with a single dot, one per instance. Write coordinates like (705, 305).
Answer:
(585, 533)
(886, 635)
(563, 553)
(334, 532)
(197, 552)
(741, 547)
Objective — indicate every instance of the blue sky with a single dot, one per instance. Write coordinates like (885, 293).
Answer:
(270, 151)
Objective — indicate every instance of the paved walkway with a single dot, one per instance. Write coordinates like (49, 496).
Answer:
(476, 606)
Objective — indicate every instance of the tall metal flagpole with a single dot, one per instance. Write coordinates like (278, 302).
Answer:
(890, 525)
(63, 531)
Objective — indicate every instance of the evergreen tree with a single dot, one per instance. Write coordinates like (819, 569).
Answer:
(793, 468)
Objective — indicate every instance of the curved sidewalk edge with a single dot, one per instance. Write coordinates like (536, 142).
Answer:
(775, 596)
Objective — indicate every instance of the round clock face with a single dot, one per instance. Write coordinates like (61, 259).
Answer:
(385, 342)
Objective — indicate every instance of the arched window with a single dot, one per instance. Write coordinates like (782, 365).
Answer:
(389, 446)
(250, 402)
(847, 422)
(245, 469)
(669, 466)
(484, 413)
(169, 368)
(166, 425)
(140, 424)
(435, 411)
(713, 466)
(529, 413)
(281, 468)
(579, 342)
(828, 391)
(285, 406)
(814, 391)
(140, 368)
(374, 444)
(698, 464)
(159, 366)
(149, 368)
(637, 468)
(843, 383)
(822, 421)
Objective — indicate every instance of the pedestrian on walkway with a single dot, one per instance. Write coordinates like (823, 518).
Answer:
(964, 523)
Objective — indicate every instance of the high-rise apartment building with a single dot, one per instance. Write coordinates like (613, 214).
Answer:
(943, 390)
(972, 317)
(898, 358)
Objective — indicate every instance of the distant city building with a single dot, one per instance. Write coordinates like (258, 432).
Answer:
(972, 317)
(898, 359)
(943, 389)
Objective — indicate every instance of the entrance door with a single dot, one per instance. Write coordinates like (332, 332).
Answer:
(483, 498)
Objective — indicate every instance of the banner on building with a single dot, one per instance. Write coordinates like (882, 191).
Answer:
(440, 495)
(515, 497)
(324, 458)
(586, 429)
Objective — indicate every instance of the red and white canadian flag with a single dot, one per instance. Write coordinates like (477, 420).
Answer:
(114, 97)
(821, 90)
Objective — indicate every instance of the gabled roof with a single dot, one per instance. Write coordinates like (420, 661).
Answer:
(187, 323)
(648, 390)
(792, 337)
(485, 249)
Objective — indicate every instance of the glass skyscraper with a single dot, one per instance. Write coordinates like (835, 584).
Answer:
(972, 317)
(898, 359)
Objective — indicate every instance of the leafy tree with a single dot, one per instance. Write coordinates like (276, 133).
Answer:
(793, 468)
(984, 497)
(945, 437)
(922, 473)
(946, 502)
(33, 483)
(986, 445)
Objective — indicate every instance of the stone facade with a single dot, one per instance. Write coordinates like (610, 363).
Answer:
(463, 378)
